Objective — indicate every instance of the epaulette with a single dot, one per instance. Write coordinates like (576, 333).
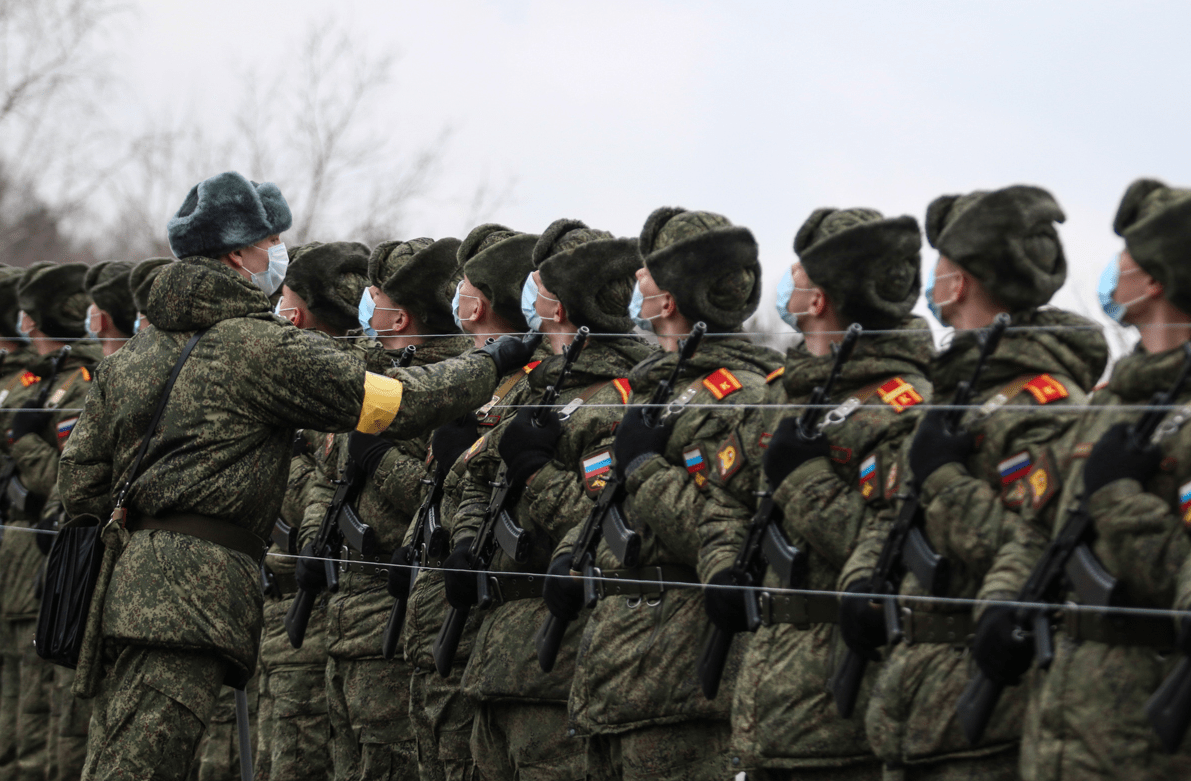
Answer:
(1046, 389)
(899, 394)
(775, 374)
(623, 388)
(86, 374)
(722, 383)
(531, 366)
(29, 378)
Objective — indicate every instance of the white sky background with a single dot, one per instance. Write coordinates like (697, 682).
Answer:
(760, 111)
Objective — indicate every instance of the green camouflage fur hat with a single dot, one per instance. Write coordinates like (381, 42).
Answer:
(420, 275)
(497, 260)
(869, 266)
(52, 294)
(708, 264)
(330, 278)
(591, 272)
(10, 278)
(107, 285)
(1155, 222)
(140, 281)
(1006, 239)
(227, 212)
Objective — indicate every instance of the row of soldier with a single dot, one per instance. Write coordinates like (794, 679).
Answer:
(467, 689)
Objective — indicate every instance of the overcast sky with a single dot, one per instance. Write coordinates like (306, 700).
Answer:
(760, 111)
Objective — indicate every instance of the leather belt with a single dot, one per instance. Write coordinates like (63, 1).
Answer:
(949, 628)
(376, 564)
(801, 610)
(508, 587)
(1153, 631)
(611, 582)
(216, 530)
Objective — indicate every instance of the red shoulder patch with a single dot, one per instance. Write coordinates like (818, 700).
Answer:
(1046, 389)
(722, 383)
(29, 378)
(531, 366)
(899, 394)
(86, 374)
(623, 388)
(775, 374)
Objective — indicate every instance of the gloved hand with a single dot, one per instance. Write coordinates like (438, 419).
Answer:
(300, 446)
(563, 594)
(462, 590)
(525, 447)
(935, 446)
(787, 451)
(1183, 643)
(1002, 650)
(451, 440)
(725, 606)
(1113, 457)
(367, 451)
(862, 622)
(30, 420)
(401, 576)
(310, 572)
(635, 439)
(512, 352)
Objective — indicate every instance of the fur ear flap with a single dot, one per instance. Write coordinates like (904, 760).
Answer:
(545, 247)
(654, 225)
(1131, 202)
(377, 258)
(475, 240)
(806, 234)
(936, 216)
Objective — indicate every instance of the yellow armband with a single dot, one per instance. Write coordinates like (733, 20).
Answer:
(382, 399)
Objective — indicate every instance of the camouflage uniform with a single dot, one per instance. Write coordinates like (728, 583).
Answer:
(520, 728)
(1006, 483)
(223, 449)
(656, 723)
(218, 754)
(782, 718)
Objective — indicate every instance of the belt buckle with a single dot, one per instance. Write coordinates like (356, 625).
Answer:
(661, 589)
(800, 614)
(344, 558)
(908, 625)
(765, 607)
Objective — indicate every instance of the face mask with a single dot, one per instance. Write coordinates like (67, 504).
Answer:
(635, 304)
(277, 310)
(87, 325)
(1107, 287)
(136, 324)
(269, 280)
(455, 305)
(785, 289)
(937, 309)
(21, 319)
(529, 300)
(367, 308)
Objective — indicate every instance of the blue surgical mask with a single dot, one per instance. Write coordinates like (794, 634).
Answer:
(269, 280)
(367, 309)
(455, 305)
(936, 309)
(136, 324)
(785, 289)
(20, 319)
(635, 304)
(87, 325)
(529, 300)
(1107, 287)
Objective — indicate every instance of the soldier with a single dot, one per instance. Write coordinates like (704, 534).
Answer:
(111, 317)
(140, 282)
(999, 252)
(213, 476)
(582, 277)
(487, 303)
(854, 266)
(635, 692)
(1086, 717)
(411, 285)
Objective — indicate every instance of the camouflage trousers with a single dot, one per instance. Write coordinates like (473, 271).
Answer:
(33, 706)
(441, 717)
(1001, 766)
(521, 741)
(150, 713)
(218, 755)
(690, 751)
(870, 771)
(293, 731)
(368, 705)
(70, 718)
(10, 694)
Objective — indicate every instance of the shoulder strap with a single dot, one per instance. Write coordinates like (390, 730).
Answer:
(165, 395)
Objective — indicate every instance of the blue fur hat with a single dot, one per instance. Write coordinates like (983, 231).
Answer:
(227, 212)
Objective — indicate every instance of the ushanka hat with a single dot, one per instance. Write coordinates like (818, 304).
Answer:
(591, 272)
(10, 278)
(227, 212)
(140, 280)
(496, 260)
(419, 275)
(1155, 222)
(869, 266)
(52, 294)
(1006, 239)
(107, 285)
(330, 278)
(708, 264)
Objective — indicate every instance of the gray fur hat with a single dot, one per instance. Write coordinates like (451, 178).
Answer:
(1155, 222)
(107, 285)
(227, 212)
(591, 272)
(141, 278)
(330, 278)
(1006, 238)
(52, 294)
(709, 265)
(420, 275)
(869, 266)
(496, 260)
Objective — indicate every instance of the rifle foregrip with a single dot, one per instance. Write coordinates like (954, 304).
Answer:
(930, 568)
(298, 616)
(1169, 709)
(446, 644)
(548, 640)
(1089, 579)
(976, 705)
(712, 661)
(845, 686)
(392, 635)
(624, 543)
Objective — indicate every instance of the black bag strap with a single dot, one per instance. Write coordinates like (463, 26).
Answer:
(165, 395)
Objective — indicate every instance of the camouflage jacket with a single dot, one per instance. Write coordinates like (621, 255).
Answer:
(503, 663)
(1006, 487)
(666, 497)
(780, 717)
(222, 449)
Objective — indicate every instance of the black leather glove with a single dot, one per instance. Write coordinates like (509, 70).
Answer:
(935, 446)
(310, 572)
(400, 576)
(512, 352)
(1113, 457)
(725, 606)
(1002, 650)
(563, 594)
(525, 447)
(451, 440)
(461, 587)
(862, 622)
(367, 450)
(30, 420)
(787, 451)
(635, 439)
(300, 446)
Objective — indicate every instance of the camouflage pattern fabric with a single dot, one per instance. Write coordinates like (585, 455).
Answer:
(70, 719)
(781, 714)
(218, 754)
(368, 702)
(690, 751)
(515, 741)
(441, 717)
(33, 709)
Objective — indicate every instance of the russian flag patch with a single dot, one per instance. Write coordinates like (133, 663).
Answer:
(64, 429)
(868, 471)
(595, 470)
(1014, 467)
(693, 459)
(1185, 503)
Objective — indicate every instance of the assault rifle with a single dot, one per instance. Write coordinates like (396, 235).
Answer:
(765, 543)
(285, 537)
(498, 527)
(341, 525)
(13, 494)
(550, 634)
(906, 549)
